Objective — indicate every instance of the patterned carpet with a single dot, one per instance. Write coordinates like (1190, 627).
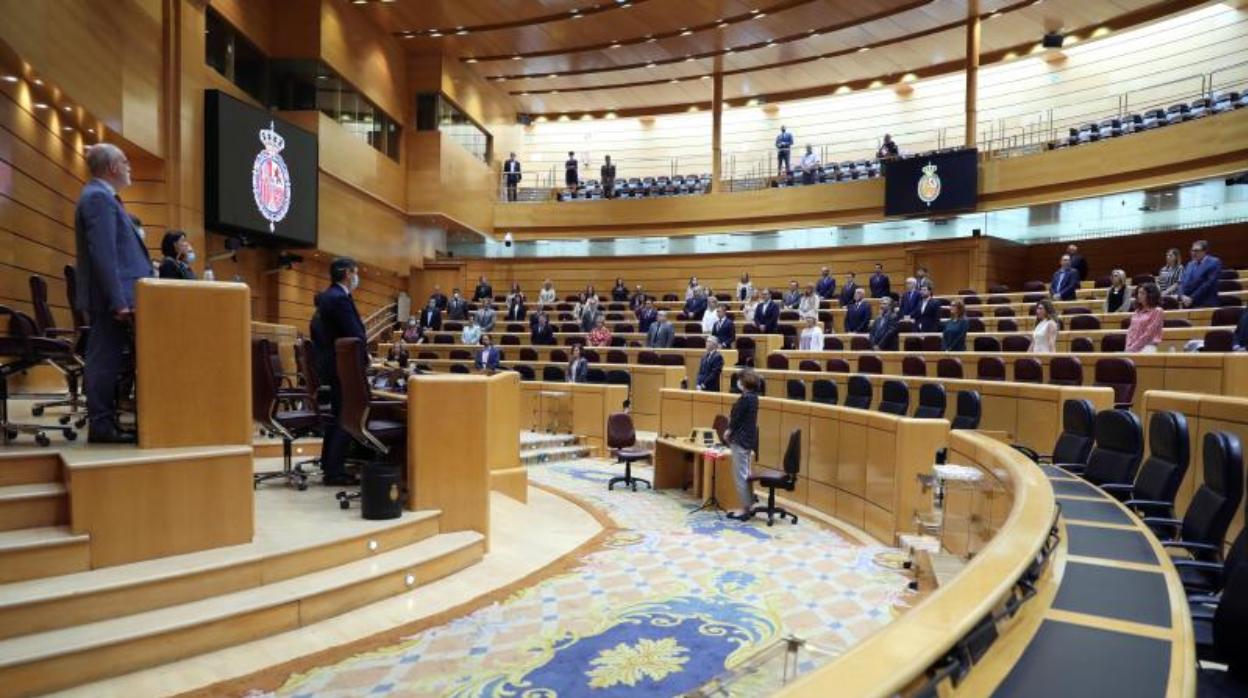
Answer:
(672, 601)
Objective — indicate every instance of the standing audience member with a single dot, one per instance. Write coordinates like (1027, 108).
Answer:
(1171, 275)
(619, 292)
(910, 298)
(709, 368)
(1078, 262)
(748, 308)
(858, 314)
(578, 366)
(793, 296)
(692, 289)
(178, 256)
(1118, 300)
(784, 144)
(516, 310)
(471, 334)
(709, 317)
(661, 334)
(724, 330)
(848, 290)
(953, 334)
(600, 336)
(487, 358)
(431, 317)
(571, 175)
(812, 336)
(608, 178)
(638, 300)
(1199, 284)
(767, 314)
(543, 335)
(695, 307)
(511, 173)
(923, 278)
(744, 287)
(547, 296)
(513, 293)
(878, 282)
(589, 314)
(647, 316)
(742, 438)
(810, 166)
(927, 316)
(111, 257)
(414, 333)
(809, 305)
(457, 307)
(888, 149)
(1065, 281)
(336, 317)
(825, 286)
(438, 297)
(1144, 333)
(486, 316)
(884, 329)
(483, 291)
(1044, 336)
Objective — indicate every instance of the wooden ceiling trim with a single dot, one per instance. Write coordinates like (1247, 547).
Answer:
(608, 6)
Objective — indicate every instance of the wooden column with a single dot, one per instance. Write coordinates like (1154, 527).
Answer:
(972, 68)
(717, 124)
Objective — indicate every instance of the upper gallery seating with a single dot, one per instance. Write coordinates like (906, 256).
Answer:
(1153, 118)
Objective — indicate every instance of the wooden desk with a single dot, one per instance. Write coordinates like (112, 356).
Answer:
(680, 461)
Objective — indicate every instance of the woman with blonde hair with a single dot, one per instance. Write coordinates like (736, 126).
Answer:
(1118, 300)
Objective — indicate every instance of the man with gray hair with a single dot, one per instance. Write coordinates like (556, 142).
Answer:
(110, 259)
(660, 335)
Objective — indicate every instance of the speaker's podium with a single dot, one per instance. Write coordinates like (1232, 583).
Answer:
(188, 486)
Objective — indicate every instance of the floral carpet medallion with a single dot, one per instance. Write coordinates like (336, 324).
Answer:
(672, 599)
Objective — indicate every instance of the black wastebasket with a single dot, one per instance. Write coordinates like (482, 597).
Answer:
(380, 492)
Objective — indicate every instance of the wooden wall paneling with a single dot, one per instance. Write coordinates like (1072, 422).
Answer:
(353, 161)
(366, 56)
(355, 224)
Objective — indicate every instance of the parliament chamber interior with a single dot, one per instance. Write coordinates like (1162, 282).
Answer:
(493, 348)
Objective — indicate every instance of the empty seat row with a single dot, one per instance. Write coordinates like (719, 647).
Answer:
(1153, 118)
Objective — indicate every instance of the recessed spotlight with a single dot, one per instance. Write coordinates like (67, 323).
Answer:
(470, 60)
(554, 92)
(515, 58)
(650, 65)
(812, 31)
(722, 24)
(674, 80)
(435, 34)
(864, 49)
(38, 82)
(760, 15)
(615, 45)
(40, 105)
(67, 108)
(358, 2)
(705, 77)
(553, 75)
(460, 31)
(770, 44)
(67, 128)
(90, 130)
(409, 580)
(754, 12)
(322, 77)
(650, 39)
(685, 31)
(689, 59)
(524, 94)
(10, 78)
(994, 15)
(372, 545)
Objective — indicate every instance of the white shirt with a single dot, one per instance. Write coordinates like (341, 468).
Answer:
(809, 306)
(812, 339)
(546, 296)
(747, 310)
(810, 161)
(1044, 337)
(708, 321)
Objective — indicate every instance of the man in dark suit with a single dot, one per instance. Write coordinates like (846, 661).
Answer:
(638, 300)
(724, 330)
(430, 316)
(793, 296)
(336, 318)
(1078, 262)
(661, 334)
(511, 173)
(543, 334)
(879, 282)
(910, 299)
(456, 307)
(1198, 283)
(438, 297)
(825, 287)
(487, 358)
(647, 316)
(858, 314)
(711, 366)
(608, 178)
(483, 291)
(1065, 281)
(767, 314)
(516, 310)
(696, 305)
(927, 316)
(571, 171)
(848, 290)
(110, 259)
(883, 335)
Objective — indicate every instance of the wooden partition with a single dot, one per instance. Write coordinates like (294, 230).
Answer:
(858, 466)
(591, 404)
(193, 356)
(503, 453)
(1205, 413)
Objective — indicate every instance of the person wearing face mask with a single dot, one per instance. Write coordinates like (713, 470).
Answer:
(178, 256)
(336, 318)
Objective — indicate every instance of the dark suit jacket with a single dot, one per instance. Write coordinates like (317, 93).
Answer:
(637, 302)
(516, 311)
(457, 309)
(336, 318)
(1201, 282)
(660, 336)
(483, 291)
(488, 358)
(953, 335)
(708, 371)
(1240, 339)
(110, 255)
(431, 318)
(879, 285)
(1064, 284)
(543, 336)
(725, 331)
(619, 294)
(1079, 264)
(439, 299)
(512, 170)
(577, 370)
(767, 316)
(171, 268)
(825, 288)
(927, 319)
(858, 318)
(646, 318)
(909, 303)
(847, 293)
(884, 332)
(695, 307)
(743, 422)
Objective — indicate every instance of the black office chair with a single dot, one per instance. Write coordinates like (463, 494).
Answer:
(824, 392)
(554, 374)
(774, 480)
(1075, 442)
(795, 389)
(932, 402)
(71, 367)
(526, 372)
(895, 398)
(380, 426)
(622, 443)
(25, 349)
(1152, 493)
(1202, 530)
(1117, 452)
(969, 411)
(595, 375)
(859, 393)
(266, 412)
(1218, 624)
(1201, 577)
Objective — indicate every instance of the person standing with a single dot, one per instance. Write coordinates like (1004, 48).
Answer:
(888, 149)
(484, 291)
(1199, 284)
(878, 282)
(619, 292)
(431, 317)
(647, 316)
(884, 329)
(660, 335)
(910, 299)
(784, 144)
(571, 176)
(1044, 336)
(811, 337)
(1148, 320)
(953, 333)
(724, 330)
(1065, 281)
(638, 299)
(710, 367)
(547, 295)
(511, 172)
(927, 316)
(608, 178)
(486, 316)
(578, 365)
(809, 305)
(543, 334)
(1169, 276)
(745, 287)
(858, 314)
(793, 296)
(848, 290)
(457, 307)
(110, 258)
(1078, 262)
(487, 358)
(825, 287)
(1118, 298)
(810, 165)
(336, 318)
(438, 297)
(742, 438)
(767, 314)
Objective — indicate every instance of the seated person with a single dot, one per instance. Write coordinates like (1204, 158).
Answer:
(709, 369)
(600, 336)
(661, 334)
(858, 314)
(812, 336)
(578, 366)
(767, 314)
(398, 353)
(724, 329)
(884, 329)
(414, 333)
(472, 333)
(543, 335)
(487, 359)
(178, 257)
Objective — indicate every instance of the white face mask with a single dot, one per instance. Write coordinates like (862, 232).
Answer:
(354, 281)
(190, 257)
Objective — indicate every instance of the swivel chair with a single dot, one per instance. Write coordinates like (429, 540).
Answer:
(383, 434)
(267, 413)
(27, 349)
(774, 480)
(622, 443)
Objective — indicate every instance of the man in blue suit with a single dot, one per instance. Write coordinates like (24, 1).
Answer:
(724, 330)
(487, 358)
(711, 366)
(884, 330)
(695, 307)
(910, 299)
(858, 314)
(879, 282)
(647, 316)
(110, 259)
(767, 314)
(336, 318)
(825, 287)
(1065, 281)
(1199, 281)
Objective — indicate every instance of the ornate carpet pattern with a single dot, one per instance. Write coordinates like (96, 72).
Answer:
(673, 600)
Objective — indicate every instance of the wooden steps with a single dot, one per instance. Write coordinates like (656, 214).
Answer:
(30, 553)
(29, 468)
(33, 505)
(123, 642)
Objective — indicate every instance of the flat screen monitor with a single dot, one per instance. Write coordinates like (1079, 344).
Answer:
(933, 183)
(260, 174)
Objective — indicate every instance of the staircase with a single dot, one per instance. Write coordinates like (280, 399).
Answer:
(542, 449)
(35, 540)
(380, 320)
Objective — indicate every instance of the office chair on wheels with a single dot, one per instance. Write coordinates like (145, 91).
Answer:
(27, 349)
(266, 411)
(383, 434)
(72, 367)
(783, 480)
(622, 443)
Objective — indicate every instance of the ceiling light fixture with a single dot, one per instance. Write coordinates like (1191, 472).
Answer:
(67, 128)
(674, 80)
(515, 58)
(689, 59)
(553, 75)
(650, 65)
(38, 82)
(470, 60)
(760, 15)
(863, 49)
(10, 78)
(67, 108)
(650, 39)
(722, 24)
(460, 31)
(615, 45)
(705, 77)
(40, 105)
(685, 31)
(435, 34)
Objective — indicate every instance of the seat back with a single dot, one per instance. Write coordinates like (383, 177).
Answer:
(824, 392)
(1007, 325)
(620, 431)
(720, 425)
(895, 398)
(859, 392)
(526, 372)
(351, 357)
(1075, 442)
(1117, 373)
(949, 368)
(809, 365)
(1213, 506)
(1082, 345)
(986, 344)
(1016, 343)
(793, 457)
(71, 291)
(1065, 370)
(1119, 446)
(990, 368)
(1028, 370)
(932, 400)
(913, 366)
(648, 358)
(837, 366)
(554, 374)
(595, 375)
(263, 383)
(795, 389)
(776, 362)
(1114, 343)
(969, 409)
(307, 369)
(1162, 472)
(870, 363)
(39, 303)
